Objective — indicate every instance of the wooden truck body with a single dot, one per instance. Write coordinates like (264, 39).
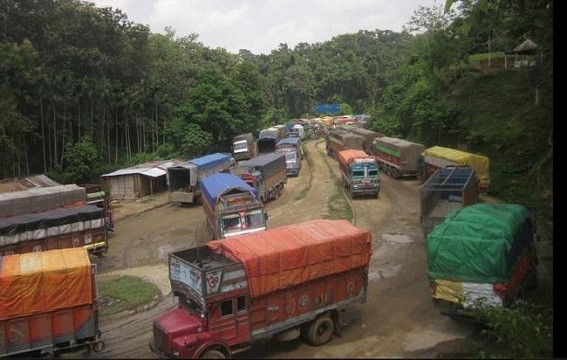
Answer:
(48, 303)
(231, 206)
(274, 284)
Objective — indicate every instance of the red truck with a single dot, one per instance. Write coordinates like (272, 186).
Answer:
(275, 284)
(48, 303)
(359, 173)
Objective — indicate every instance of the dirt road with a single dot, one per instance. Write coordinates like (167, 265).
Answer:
(398, 320)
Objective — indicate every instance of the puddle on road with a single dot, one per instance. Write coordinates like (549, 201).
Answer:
(397, 238)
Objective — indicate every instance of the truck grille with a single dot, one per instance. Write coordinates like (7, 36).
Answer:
(160, 340)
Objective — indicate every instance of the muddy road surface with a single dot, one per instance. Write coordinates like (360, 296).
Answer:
(398, 319)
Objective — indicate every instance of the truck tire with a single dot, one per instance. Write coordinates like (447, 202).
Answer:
(212, 354)
(320, 331)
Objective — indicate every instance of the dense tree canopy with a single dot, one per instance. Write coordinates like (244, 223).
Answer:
(71, 71)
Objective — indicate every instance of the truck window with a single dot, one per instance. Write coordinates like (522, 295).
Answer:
(373, 172)
(232, 222)
(358, 173)
(290, 155)
(254, 218)
(241, 303)
(226, 308)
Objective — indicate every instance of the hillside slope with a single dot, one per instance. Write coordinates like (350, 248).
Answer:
(511, 121)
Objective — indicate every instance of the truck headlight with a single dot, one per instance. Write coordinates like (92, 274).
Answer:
(176, 353)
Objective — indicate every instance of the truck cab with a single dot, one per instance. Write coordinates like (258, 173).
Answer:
(211, 316)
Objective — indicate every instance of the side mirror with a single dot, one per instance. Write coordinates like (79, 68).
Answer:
(266, 216)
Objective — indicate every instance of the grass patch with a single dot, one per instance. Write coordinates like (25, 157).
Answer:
(339, 207)
(124, 293)
(306, 189)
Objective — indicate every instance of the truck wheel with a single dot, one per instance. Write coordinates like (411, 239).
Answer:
(98, 346)
(212, 354)
(280, 190)
(320, 331)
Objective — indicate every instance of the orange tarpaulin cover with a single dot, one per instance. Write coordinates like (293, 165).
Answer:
(282, 257)
(44, 281)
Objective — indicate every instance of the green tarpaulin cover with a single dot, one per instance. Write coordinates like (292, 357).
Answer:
(474, 243)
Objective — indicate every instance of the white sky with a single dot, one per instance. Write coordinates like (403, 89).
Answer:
(262, 25)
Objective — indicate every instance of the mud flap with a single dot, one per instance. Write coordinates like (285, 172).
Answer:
(337, 320)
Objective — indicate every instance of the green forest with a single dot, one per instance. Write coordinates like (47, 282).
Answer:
(85, 91)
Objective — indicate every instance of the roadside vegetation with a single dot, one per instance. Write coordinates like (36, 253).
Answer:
(124, 293)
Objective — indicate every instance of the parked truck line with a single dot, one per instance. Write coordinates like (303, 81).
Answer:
(48, 303)
(234, 292)
(183, 179)
(231, 206)
(267, 173)
(359, 173)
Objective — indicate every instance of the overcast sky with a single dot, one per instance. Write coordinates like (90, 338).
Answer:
(262, 25)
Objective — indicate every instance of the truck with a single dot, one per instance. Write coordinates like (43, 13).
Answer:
(369, 136)
(98, 197)
(359, 173)
(183, 179)
(482, 255)
(78, 226)
(438, 157)
(276, 284)
(398, 158)
(48, 303)
(269, 137)
(243, 146)
(41, 199)
(267, 173)
(231, 206)
(339, 140)
(293, 151)
(446, 190)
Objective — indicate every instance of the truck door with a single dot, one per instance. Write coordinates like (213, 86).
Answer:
(232, 322)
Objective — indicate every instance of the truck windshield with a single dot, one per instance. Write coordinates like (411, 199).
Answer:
(193, 306)
(231, 222)
(255, 218)
(373, 172)
(241, 145)
(358, 173)
(290, 155)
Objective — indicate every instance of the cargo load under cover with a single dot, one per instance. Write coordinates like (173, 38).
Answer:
(279, 258)
(44, 281)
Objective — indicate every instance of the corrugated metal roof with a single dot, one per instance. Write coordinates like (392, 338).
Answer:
(155, 172)
(25, 183)
(152, 169)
